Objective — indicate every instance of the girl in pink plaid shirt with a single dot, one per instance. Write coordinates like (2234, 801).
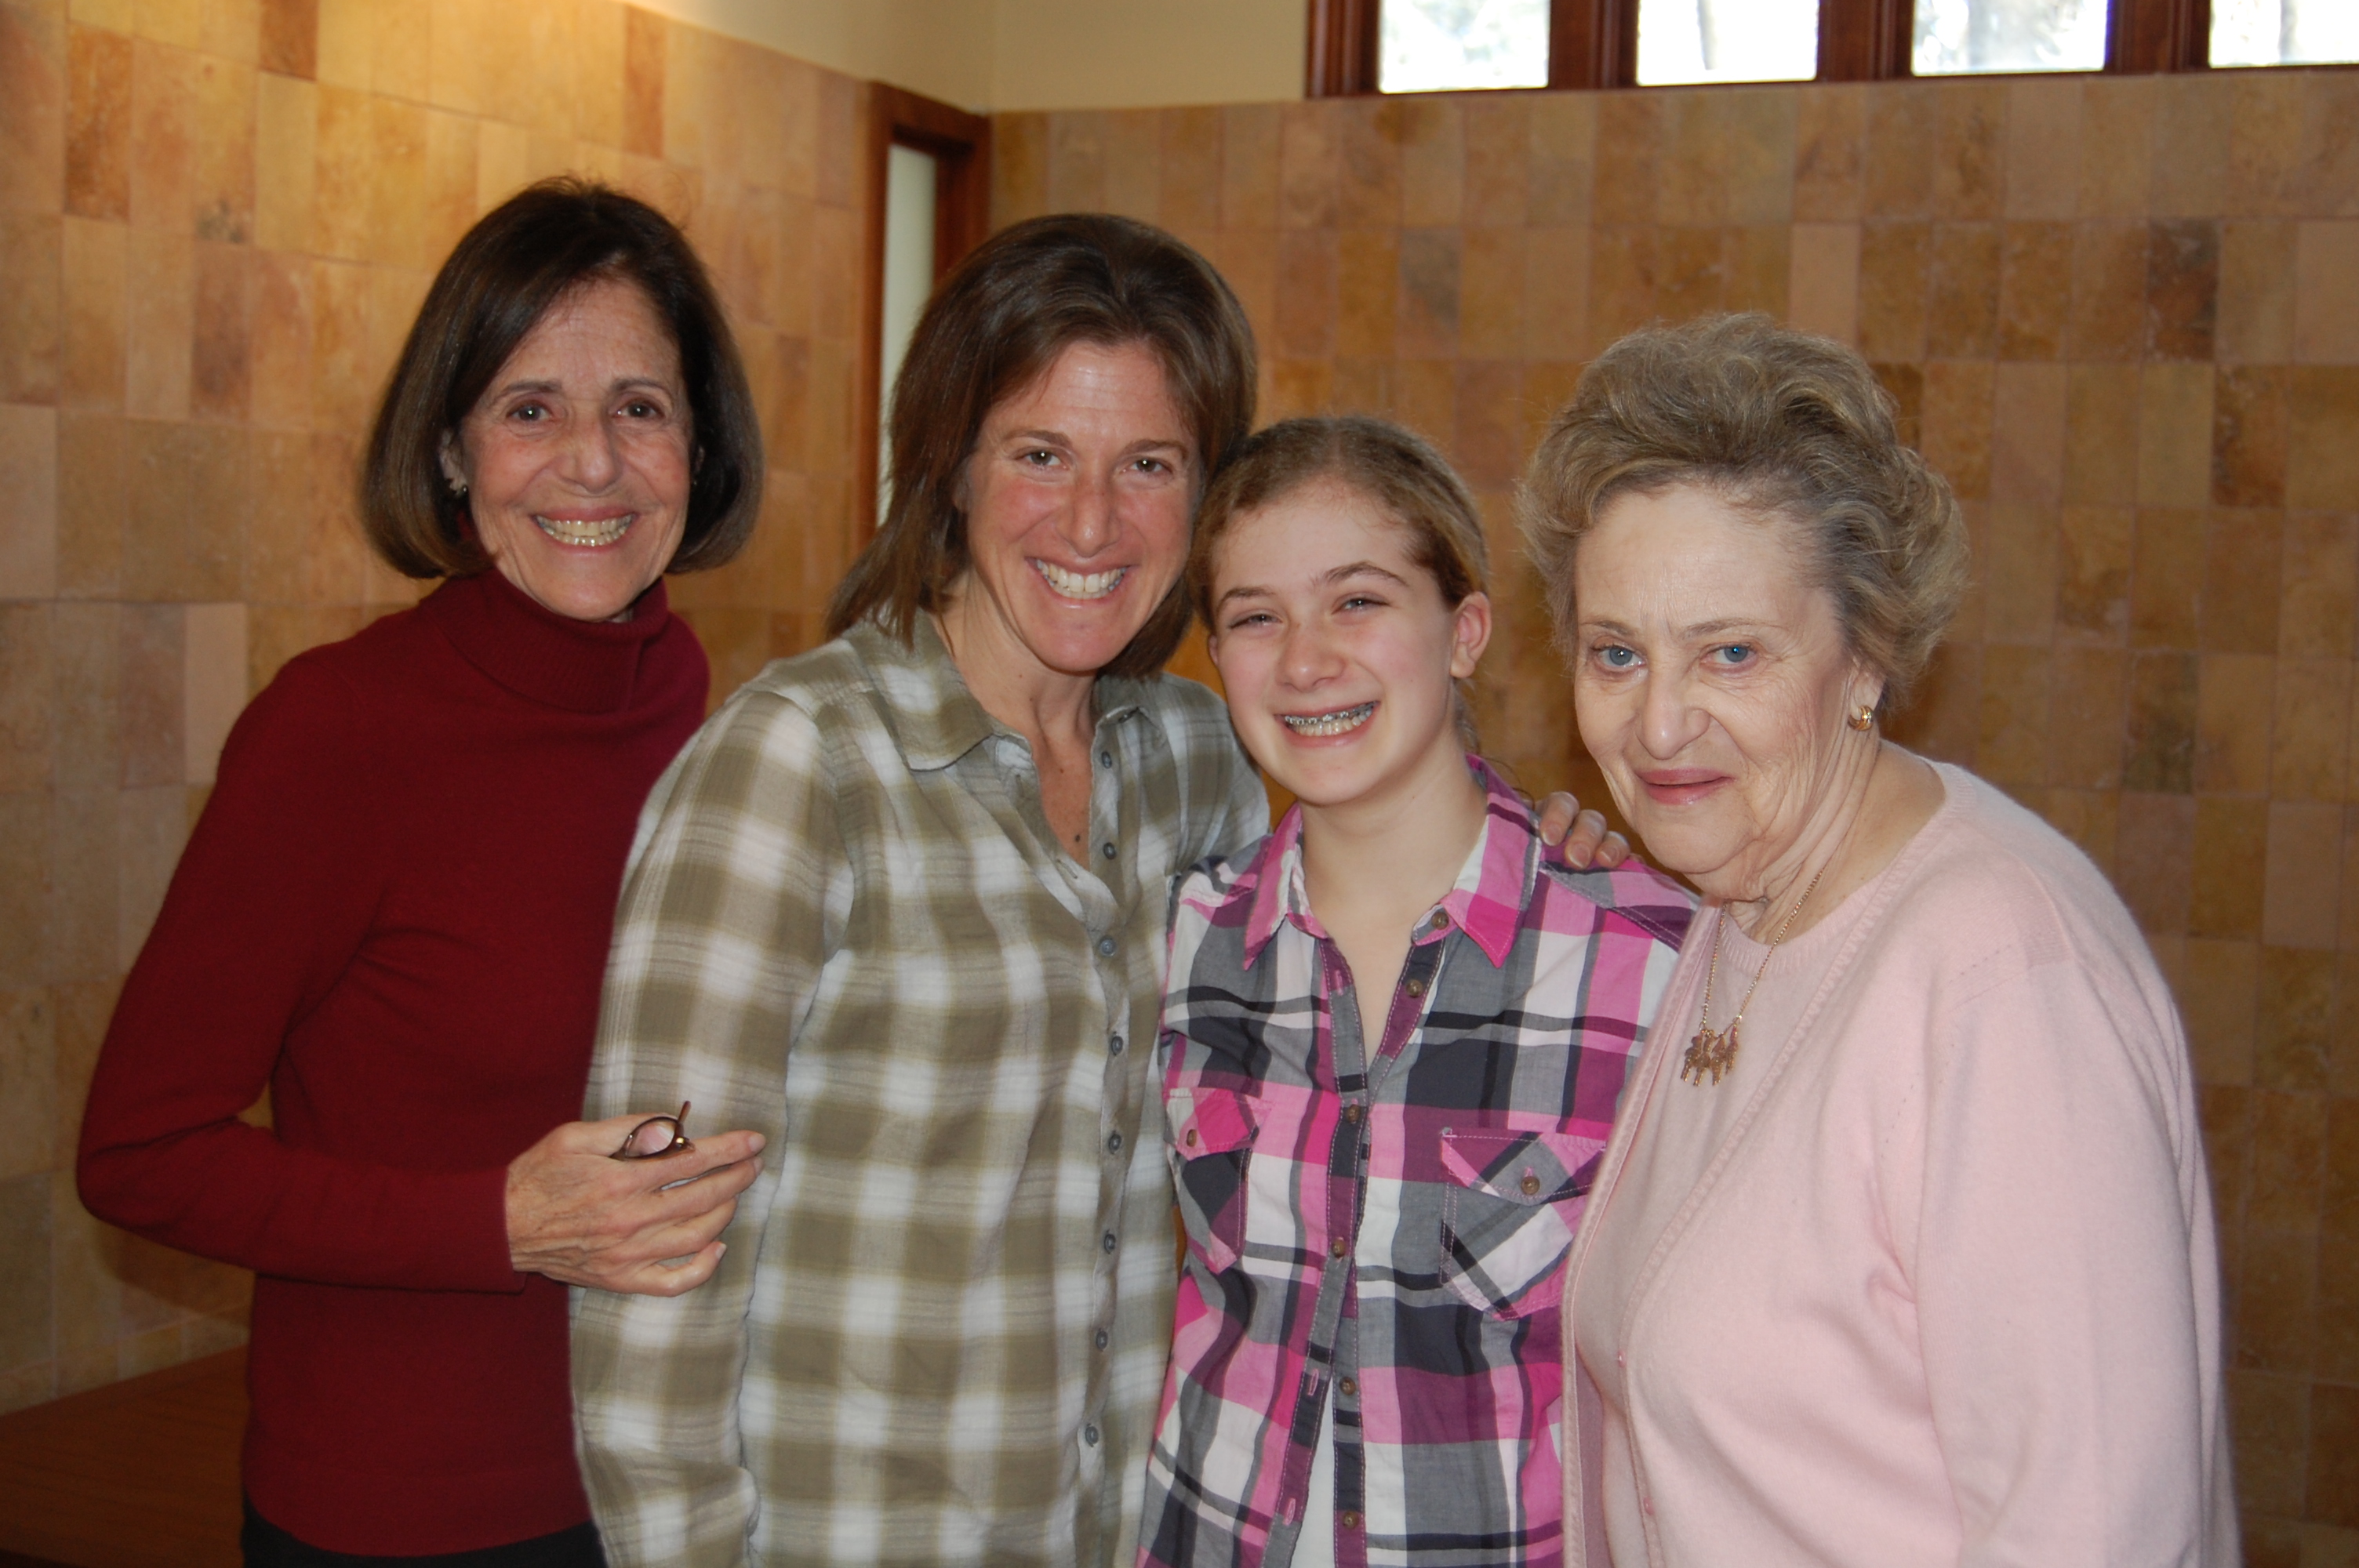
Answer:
(1392, 1042)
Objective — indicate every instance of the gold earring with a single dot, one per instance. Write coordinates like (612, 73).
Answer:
(1862, 718)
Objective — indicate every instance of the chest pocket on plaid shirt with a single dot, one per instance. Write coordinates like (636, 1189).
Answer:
(1212, 1132)
(1508, 1209)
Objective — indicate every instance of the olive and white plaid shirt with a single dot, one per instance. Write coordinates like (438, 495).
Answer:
(938, 1332)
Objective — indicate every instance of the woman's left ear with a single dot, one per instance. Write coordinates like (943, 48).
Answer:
(447, 457)
(1861, 701)
(1471, 634)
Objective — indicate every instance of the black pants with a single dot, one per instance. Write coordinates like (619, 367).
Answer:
(267, 1546)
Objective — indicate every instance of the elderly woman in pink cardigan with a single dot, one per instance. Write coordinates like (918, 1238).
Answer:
(1902, 1254)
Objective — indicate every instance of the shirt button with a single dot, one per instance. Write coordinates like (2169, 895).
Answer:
(1190, 1139)
(1106, 849)
(1114, 1044)
(1441, 919)
(1101, 1338)
(1531, 1182)
(1105, 946)
(1105, 759)
(1335, 1248)
(1113, 1146)
(1089, 1436)
(1351, 1113)
(1415, 988)
(1349, 1389)
(1348, 1520)
(1107, 1241)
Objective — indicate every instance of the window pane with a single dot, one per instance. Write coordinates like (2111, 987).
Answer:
(1955, 36)
(1440, 46)
(2285, 32)
(1727, 40)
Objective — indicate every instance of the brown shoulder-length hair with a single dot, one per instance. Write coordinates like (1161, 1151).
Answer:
(993, 327)
(520, 259)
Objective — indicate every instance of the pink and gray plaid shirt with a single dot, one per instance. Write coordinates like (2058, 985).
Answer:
(1394, 1220)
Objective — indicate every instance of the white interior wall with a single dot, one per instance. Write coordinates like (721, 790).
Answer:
(988, 55)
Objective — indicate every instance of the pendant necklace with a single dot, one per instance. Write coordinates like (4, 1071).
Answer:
(1715, 1052)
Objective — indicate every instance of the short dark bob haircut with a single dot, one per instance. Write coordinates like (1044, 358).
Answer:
(993, 327)
(523, 257)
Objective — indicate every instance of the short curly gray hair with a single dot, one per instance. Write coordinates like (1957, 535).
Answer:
(1777, 422)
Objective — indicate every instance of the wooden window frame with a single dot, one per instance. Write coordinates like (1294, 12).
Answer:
(1593, 44)
(961, 143)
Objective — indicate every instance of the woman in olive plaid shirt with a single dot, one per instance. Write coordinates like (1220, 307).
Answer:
(1391, 1048)
(900, 908)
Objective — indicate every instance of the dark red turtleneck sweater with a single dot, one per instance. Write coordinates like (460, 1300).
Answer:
(395, 912)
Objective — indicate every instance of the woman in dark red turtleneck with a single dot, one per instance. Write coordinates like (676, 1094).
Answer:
(395, 914)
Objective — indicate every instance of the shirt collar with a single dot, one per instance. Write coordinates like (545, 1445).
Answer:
(933, 718)
(1486, 902)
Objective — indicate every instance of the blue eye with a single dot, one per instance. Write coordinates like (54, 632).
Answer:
(1734, 653)
(1617, 658)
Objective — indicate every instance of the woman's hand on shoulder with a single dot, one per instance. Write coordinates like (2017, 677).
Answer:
(648, 1227)
(1580, 836)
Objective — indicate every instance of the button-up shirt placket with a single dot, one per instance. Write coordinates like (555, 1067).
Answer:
(1333, 1350)
(1095, 892)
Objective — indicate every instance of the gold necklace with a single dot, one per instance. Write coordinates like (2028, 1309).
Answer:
(1717, 1053)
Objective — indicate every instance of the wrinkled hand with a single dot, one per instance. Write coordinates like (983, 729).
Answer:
(1584, 836)
(583, 1219)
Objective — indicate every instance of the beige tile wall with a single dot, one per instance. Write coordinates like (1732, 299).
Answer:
(216, 220)
(2123, 317)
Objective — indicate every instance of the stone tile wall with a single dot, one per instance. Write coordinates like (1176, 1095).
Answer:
(2123, 317)
(217, 217)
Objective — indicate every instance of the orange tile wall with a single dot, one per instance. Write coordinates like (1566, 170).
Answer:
(2123, 317)
(217, 217)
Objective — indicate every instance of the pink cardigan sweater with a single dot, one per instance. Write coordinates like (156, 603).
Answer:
(1949, 1291)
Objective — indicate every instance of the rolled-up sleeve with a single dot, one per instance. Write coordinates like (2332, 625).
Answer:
(736, 890)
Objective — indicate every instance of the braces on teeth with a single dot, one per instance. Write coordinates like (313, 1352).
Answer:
(1336, 723)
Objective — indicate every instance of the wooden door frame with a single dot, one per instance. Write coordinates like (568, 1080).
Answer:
(961, 143)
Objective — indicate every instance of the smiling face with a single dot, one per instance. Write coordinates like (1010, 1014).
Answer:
(1078, 500)
(1712, 684)
(576, 459)
(1338, 653)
